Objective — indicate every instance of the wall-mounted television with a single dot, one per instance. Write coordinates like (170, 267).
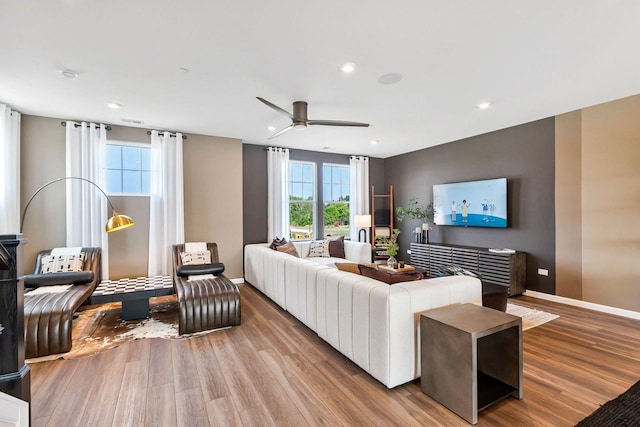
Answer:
(471, 204)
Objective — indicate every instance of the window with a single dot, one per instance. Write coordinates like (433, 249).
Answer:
(335, 197)
(302, 200)
(128, 168)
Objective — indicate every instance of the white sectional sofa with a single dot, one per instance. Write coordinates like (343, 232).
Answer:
(374, 324)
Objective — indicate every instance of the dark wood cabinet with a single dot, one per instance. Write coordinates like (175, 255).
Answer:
(505, 269)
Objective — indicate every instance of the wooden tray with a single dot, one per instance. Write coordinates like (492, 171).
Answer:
(398, 270)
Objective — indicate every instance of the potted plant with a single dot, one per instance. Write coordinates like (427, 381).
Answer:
(413, 210)
(394, 248)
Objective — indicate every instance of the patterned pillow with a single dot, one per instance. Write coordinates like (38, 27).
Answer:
(195, 258)
(288, 248)
(62, 263)
(277, 242)
(319, 249)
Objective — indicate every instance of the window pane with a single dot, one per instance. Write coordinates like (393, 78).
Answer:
(146, 183)
(335, 192)
(131, 158)
(296, 172)
(114, 157)
(114, 181)
(345, 191)
(307, 191)
(301, 221)
(307, 173)
(131, 181)
(326, 192)
(296, 191)
(336, 219)
(145, 157)
(326, 174)
(345, 175)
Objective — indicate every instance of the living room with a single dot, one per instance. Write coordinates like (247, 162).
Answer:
(571, 172)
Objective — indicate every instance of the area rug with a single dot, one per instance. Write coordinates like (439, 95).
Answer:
(623, 411)
(530, 316)
(100, 327)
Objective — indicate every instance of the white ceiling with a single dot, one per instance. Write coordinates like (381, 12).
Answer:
(531, 59)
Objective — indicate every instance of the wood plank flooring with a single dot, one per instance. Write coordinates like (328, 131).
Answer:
(273, 370)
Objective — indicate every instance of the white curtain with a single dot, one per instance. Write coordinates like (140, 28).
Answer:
(9, 170)
(278, 193)
(359, 191)
(86, 205)
(166, 205)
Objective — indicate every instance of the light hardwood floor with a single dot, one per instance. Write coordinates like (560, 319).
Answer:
(272, 370)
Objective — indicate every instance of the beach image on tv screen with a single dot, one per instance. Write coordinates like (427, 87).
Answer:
(471, 204)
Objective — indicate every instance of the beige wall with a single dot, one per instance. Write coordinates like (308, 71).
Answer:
(568, 205)
(610, 197)
(213, 197)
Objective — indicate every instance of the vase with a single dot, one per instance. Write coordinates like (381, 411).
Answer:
(391, 262)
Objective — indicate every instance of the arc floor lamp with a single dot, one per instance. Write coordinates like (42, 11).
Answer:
(115, 223)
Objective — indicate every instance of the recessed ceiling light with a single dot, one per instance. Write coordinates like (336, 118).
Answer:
(69, 74)
(183, 70)
(271, 128)
(484, 105)
(347, 67)
(390, 78)
(327, 148)
(113, 105)
(375, 142)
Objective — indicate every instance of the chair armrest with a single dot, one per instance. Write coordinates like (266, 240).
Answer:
(196, 270)
(50, 279)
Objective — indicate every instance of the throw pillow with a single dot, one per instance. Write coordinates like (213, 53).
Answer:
(349, 267)
(195, 258)
(319, 249)
(387, 277)
(277, 242)
(62, 263)
(336, 247)
(288, 248)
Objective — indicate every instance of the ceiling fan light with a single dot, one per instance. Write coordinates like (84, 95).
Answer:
(299, 126)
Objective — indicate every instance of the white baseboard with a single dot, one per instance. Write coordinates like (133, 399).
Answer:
(238, 281)
(584, 304)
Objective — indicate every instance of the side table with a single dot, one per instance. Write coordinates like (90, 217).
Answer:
(134, 294)
(471, 357)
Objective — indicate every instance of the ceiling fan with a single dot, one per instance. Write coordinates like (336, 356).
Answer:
(299, 118)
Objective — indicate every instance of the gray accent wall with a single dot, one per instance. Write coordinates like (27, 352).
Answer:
(254, 169)
(524, 155)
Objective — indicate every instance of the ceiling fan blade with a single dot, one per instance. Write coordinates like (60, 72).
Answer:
(280, 132)
(336, 123)
(275, 107)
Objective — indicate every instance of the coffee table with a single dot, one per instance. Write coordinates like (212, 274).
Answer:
(471, 357)
(133, 293)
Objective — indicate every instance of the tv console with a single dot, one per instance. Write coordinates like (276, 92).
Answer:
(505, 269)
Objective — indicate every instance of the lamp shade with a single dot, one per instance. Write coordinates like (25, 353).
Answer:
(363, 221)
(118, 222)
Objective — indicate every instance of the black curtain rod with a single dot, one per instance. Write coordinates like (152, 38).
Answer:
(170, 133)
(77, 125)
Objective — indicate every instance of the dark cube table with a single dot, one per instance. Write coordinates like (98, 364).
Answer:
(471, 357)
(133, 293)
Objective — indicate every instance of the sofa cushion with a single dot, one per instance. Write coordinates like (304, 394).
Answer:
(195, 258)
(62, 263)
(277, 242)
(53, 279)
(288, 248)
(319, 248)
(336, 247)
(388, 277)
(350, 267)
(198, 269)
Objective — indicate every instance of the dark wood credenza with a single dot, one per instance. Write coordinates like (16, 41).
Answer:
(505, 269)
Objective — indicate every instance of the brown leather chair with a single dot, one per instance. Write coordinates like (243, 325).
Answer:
(204, 304)
(48, 316)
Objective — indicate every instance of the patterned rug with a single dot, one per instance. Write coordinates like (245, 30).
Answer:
(530, 316)
(623, 411)
(97, 328)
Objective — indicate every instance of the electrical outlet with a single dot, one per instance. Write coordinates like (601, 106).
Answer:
(408, 251)
(543, 272)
